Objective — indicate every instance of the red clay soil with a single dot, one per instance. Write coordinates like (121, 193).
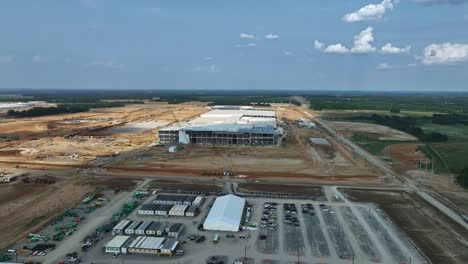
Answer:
(251, 175)
(406, 156)
(283, 188)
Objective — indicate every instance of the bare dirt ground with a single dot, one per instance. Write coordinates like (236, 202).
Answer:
(194, 185)
(381, 132)
(80, 138)
(406, 156)
(24, 207)
(440, 238)
(283, 188)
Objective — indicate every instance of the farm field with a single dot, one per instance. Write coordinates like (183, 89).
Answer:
(451, 154)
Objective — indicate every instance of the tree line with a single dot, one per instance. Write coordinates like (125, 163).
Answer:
(405, 124)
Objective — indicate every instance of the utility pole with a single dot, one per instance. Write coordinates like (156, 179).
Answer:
(432, 169)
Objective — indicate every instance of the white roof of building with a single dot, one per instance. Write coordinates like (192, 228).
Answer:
(255, 121)
(118, 241)
(226, 214)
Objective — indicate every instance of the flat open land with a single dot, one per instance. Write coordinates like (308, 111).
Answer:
(75, 139)
(380, 132)
(281, 188)
(437, 236)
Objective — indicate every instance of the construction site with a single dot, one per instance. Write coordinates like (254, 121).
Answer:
(282, 154)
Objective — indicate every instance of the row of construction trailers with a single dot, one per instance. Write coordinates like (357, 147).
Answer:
(147, 228)
(179, 199)
(142, 245)
(169, 210)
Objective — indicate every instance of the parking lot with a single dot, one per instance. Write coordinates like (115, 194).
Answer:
(278, 231)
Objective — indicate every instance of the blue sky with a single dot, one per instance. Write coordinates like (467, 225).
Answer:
(274, 44)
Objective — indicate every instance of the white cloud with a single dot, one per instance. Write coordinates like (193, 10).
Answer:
(7, 58)
(389, 49)
(207, 69)
(362, 45)
(362, 42)
(446, 53)
(383, 66)
(42, 58)
(370, 12)
(272, 36)
(249, 45)
(318, 45)
(107, 64)
(336, 48)
(287, 53)
(208, 58)
(246, 36)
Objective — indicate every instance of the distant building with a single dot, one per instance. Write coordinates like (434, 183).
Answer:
(224, 126)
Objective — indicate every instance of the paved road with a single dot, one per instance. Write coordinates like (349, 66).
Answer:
(382, 166)
(94, 220)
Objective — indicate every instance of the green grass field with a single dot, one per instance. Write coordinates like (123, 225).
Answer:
(346, 115)
(452, 155)
(372, 145)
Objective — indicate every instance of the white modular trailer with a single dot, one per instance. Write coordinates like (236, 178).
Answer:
(120, 227)
(226, 214)
(146, 245)
(141, 230)
(178, 210)
(130, 230)
(116, 244)
(199, 200)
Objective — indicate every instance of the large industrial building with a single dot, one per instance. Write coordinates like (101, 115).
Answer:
(226, 214)
(226, 127)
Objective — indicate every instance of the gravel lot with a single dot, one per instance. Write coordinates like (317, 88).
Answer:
(337, 235)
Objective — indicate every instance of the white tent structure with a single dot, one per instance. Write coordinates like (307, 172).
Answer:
(226, 214)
